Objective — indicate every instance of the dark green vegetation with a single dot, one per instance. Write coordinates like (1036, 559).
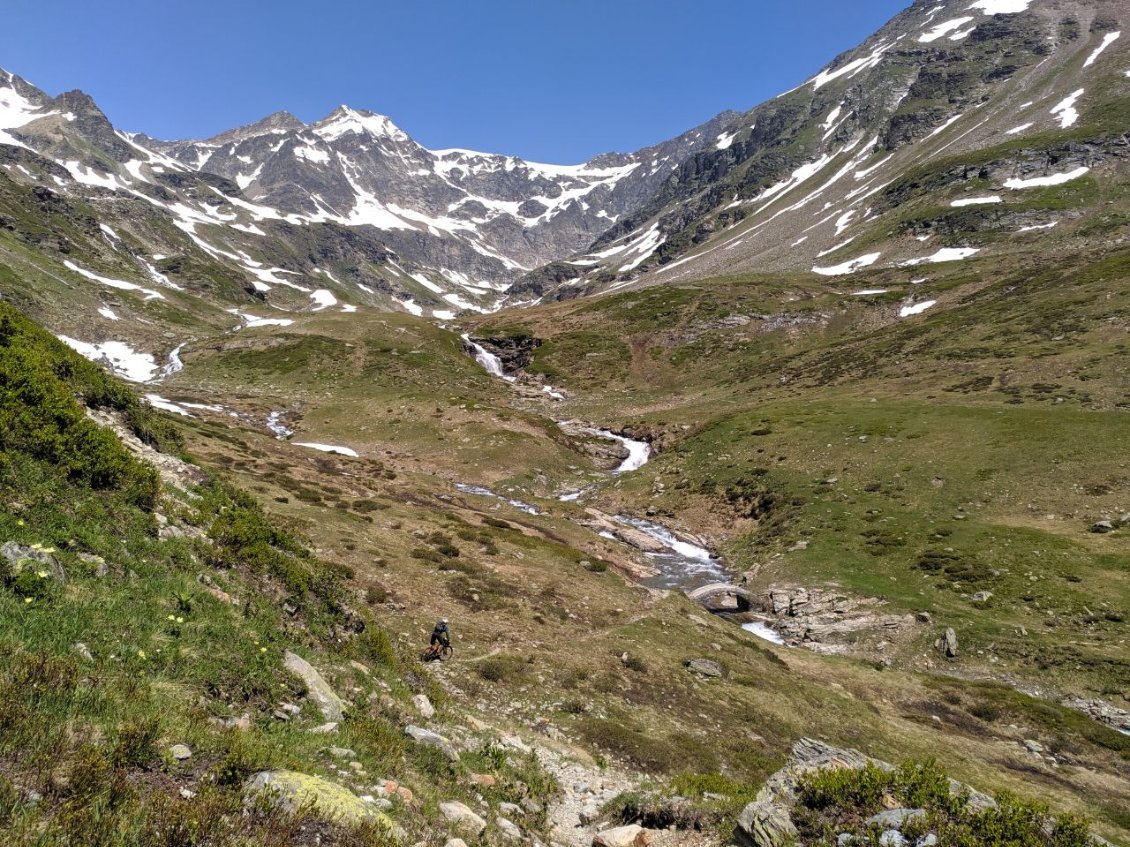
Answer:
(833, 802)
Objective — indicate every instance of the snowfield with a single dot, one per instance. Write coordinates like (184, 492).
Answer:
(848, 267)
(976, 201)
(327, 448)
(1043, 181)
(122, 359)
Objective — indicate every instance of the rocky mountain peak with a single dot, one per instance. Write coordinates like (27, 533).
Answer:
(276, 122)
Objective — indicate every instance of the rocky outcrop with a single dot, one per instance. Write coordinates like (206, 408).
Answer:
(767, 821)
(515, 351)
(827, 621)
(1102, 712)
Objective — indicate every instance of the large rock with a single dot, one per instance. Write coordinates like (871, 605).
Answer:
(949, 643)
(623, 836)
(324, 697)
(432, 739)
(462, 817)
(765, 823)
(292, 791)
(704, 667)
(424, 706)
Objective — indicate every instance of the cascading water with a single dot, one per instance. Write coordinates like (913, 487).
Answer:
(490, 362)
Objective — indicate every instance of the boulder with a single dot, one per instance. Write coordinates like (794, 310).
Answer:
(324, 697)
(291, 791)
(424, 706)
(623, 836)
(462, 817)
(432, 739)
(949, 643)
(704, 667)
(765, 823)
(509, 829)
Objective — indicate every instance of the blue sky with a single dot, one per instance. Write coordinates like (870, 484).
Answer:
(548, 80)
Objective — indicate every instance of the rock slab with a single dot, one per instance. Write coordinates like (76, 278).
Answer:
(623, 836)
(432, 739)
(324, 697)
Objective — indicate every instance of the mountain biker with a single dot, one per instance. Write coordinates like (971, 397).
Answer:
(441, 635)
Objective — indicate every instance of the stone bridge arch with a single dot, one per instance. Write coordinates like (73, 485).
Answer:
(709, 594)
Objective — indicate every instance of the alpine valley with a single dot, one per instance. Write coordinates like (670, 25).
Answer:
(773, 478)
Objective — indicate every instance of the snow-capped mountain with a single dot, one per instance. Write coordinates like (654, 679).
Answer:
(376, 213)
(963, 128)
(931, 141)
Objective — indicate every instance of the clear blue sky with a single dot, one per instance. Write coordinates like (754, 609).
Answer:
(548, 80)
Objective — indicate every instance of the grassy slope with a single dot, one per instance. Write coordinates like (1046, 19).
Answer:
(523, 604)
(85, 741)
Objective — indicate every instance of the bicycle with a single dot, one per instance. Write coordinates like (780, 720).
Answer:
(437, 653)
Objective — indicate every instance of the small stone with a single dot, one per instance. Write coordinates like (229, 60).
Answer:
(927, 840)
(892, 838)
(844, 838)
(511, 809)
(1102, 527)
(84, 651)
(982, 596)
(486, 780)
(895, 818)
(357, 666)
(180, 752)
(1033, 746)
(589, 813)
(455, 842)
(341, 753)
(325, 728)
(187, 794)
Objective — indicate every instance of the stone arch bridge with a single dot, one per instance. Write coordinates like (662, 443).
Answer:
(709, 595)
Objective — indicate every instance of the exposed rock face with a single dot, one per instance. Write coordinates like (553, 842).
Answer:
(324, 697)
(292, 791)
(1102, 712)
(515, 351)
(825, 621)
